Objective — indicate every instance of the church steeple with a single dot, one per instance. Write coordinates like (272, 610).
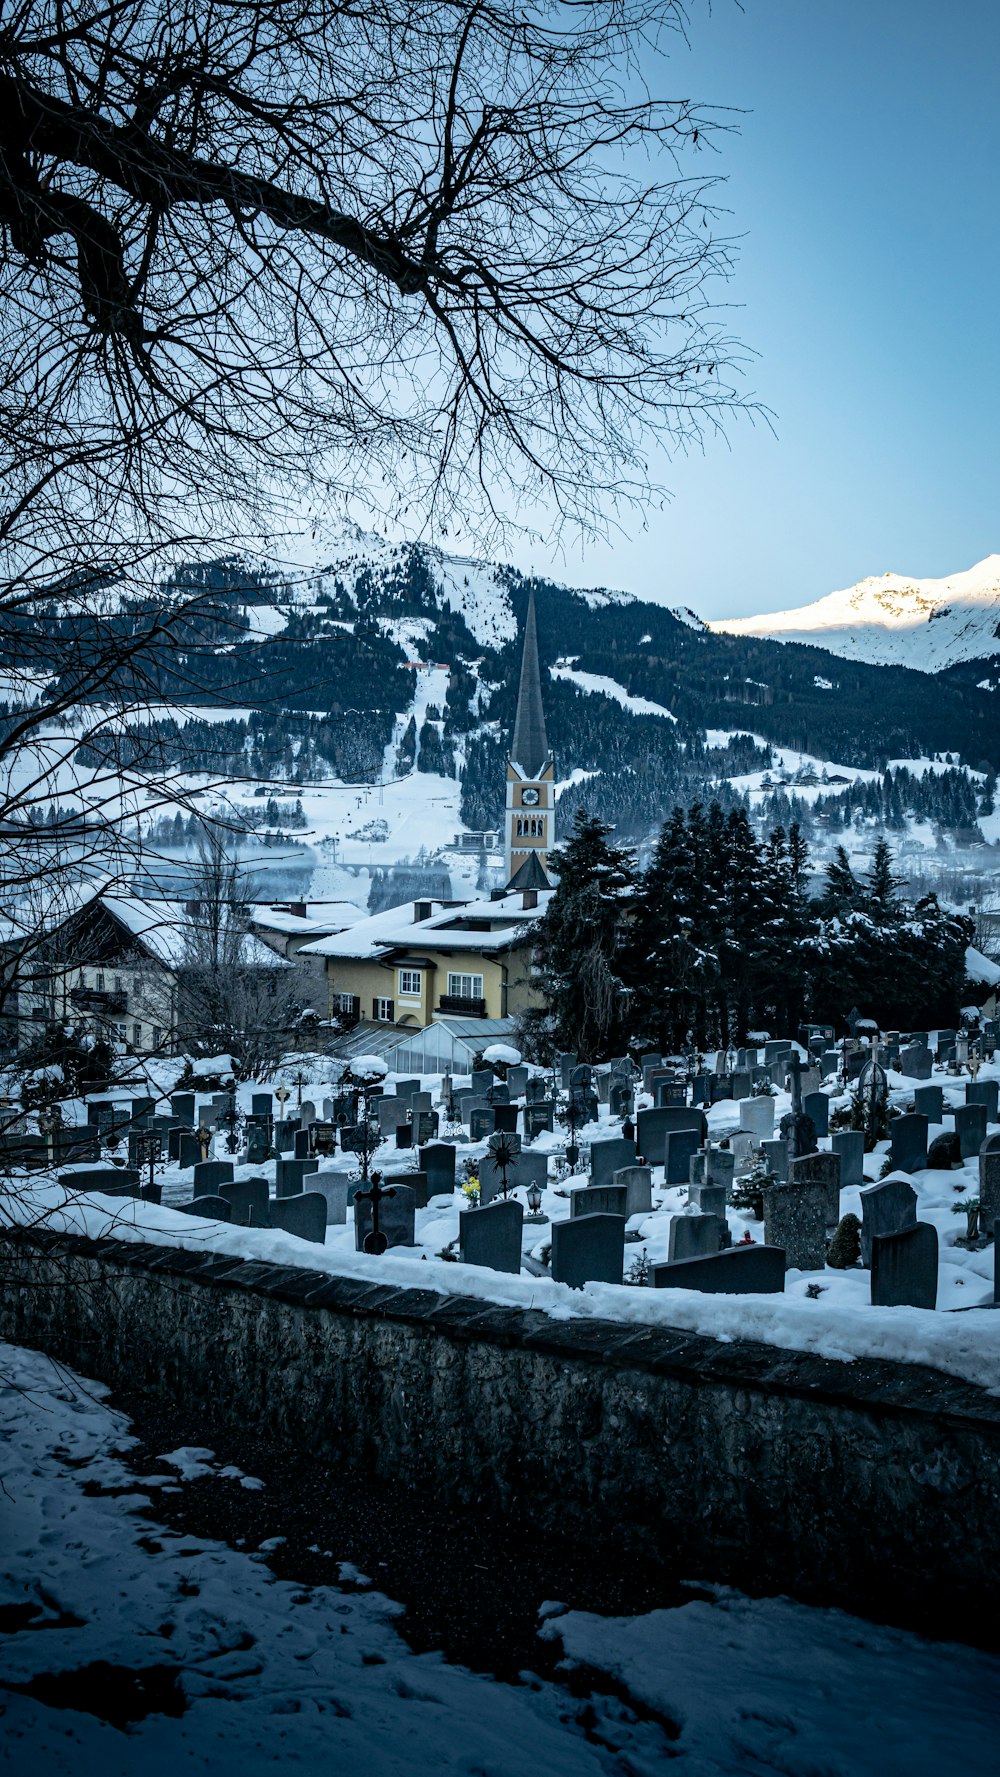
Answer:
(530, 810)
(530, 748)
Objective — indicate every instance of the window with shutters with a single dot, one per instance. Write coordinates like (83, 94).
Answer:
(383, 1010)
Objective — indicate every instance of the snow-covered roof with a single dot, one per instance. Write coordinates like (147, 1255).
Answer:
(341, 915)
(396, 926)
(979, 968)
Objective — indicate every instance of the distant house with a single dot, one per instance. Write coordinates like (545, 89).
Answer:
(115, 966)
(289, 927)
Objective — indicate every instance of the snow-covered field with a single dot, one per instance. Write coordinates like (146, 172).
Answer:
(208, 1663)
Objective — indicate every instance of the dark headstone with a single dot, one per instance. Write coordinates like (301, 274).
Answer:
(694, 1237)
(481, 1123)
(210, 1174)
(537, 1119)
(984, 1092)
(608, 1200)
(289, 1174)
(114, 1181)
(304, 1215)
(261, 1104)
(905, 1268)
(929, 1101)
(492, 1236)
(504, 1119)
(607, 1156)
(886, 1208)
(970, 1127)
(989, 1182)
(915, 1063)
(945, 1152)
(438, 1162)
(588, 1249)
(680, 1147)
(529, 1169)
(396, 1216)
(822, 1170)
(214, 1208)
(742, 1271)
(817, 1106)
(301, 1148)
(182, 1105)
(404, 1131)
(670, 1092)
(653, 1126)
(795, 1217)
(248, 1199)
(908, 1142)
(850, 1145)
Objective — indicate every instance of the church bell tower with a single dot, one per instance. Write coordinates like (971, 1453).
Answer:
(529, 832)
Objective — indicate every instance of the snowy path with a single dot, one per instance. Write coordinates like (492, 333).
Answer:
(222, 1667)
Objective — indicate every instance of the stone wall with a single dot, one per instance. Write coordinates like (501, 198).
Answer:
(868, 1484)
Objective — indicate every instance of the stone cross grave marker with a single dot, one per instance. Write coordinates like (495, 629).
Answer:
(396, 1215)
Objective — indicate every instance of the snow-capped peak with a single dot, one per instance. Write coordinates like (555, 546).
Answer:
(895, 620)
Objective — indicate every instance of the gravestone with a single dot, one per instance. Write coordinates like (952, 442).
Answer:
(182, 1105)
(537, 1089)
(621, 1099)
(905, 1268)
(304, 1215)
(140, 1142)
(720, 1087)
(329, 1110)
(694, 1237)
(817, 1106)
(757, 1117)
(741, 1084)
(114, 1181)
(566, 1064)
(711, 1200)
(670, 1092)
(777, 1050)
(332, 1187)
(915, 1063)
(481, 1122)
(491, 1180)
(886, 1208)
(638, 1182)
(609, 1200)
(945, 1152)
(537, 1120)
(404, 1135)
(517, 1081)
(396, 1216)
(970, 1127)
(607, 1156)
(929, 1101)
(776, 1158)
(210, 1174)
(984, 1092)
(421, 1101)
(989, 1182)
(307, 1113)
(588, 1249)
(908, 1142)
(741, 1146)
(528, 1170)
(391, 1113)
(492, 1236)
(261, 1104)
(795, 1217)
(850, 1145)
(289, 1174)
(81, 1142)
(653, 1126)
(822, 1170)
(424, 1126)
(701, 1089)
(406, 1088)
(741, 1271)
(680, 1148)
(301, 1149)
(188, 1149)
(216, 1209)
(438, 1161)
(248, 1199)
(504, 1119)
(284, 1137)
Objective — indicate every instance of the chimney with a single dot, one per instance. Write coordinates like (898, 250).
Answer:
(298, 908)
(422, 910)
(529, 898)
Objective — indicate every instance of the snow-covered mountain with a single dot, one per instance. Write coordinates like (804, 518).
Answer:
(893, 620)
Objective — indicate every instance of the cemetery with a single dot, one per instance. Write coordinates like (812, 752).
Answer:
(629, 1250)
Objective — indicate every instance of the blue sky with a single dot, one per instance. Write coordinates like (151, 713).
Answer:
(864, 183)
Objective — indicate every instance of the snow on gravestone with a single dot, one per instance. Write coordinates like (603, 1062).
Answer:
(886, 1208)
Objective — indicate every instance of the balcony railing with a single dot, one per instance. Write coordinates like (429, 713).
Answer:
(92, 999)
(460, 1007)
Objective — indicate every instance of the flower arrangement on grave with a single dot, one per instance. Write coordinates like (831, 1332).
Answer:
(969, 1207)
(845, 1247)
(748, 1191)
(471, 1190)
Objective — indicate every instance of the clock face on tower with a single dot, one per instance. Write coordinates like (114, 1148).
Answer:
(529, 798)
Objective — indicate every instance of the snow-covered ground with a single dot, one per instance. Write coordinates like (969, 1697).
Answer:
(894, 620)
(211, 1664)
(605, 687)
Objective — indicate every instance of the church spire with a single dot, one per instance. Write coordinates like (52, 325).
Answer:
(530, 747)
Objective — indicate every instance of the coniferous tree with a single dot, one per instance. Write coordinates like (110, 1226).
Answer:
(579, 942)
